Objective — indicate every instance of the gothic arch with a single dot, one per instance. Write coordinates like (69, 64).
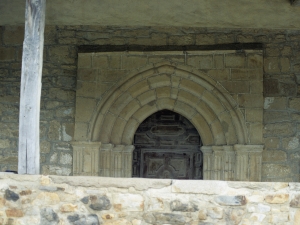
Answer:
(179, 88)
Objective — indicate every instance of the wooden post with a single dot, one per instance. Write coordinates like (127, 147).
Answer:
(32, 63)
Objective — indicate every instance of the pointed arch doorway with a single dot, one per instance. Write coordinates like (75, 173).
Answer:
(167, 145)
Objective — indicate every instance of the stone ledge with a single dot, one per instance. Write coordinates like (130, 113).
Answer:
(104, 182)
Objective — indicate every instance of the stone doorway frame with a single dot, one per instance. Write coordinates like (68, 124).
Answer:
(103, 145)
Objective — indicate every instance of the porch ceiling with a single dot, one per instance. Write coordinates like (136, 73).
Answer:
(281, 14)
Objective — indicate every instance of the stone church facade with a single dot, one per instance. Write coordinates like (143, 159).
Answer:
(237, 86)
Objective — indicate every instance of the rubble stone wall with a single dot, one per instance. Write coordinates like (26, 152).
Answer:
(281, 87)
(27, 199)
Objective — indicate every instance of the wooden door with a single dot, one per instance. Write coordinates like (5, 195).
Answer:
(167, 145)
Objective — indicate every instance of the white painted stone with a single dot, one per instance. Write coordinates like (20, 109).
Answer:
(255, 198)
(65, 136)
(215, 213)
(28, 220)
(263, 208)
(280, 186)
(129, 202)
(294, 186)
(251, 209)
(206, 187)
(53, 158)
(268, 102)
(155, 204)
(279, 218)
(68, 111)
(61, 171)
(66, 158)
(293, 144)
(257, 217)
(136, 222)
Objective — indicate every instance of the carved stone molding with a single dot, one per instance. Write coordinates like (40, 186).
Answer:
(106, 160)
(237, 162)
(86, 158)
(248, 162)
(232, 142)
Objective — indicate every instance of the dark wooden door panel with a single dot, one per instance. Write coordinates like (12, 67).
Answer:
(167, 146)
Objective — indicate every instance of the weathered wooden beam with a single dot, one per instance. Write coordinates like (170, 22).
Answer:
(32, 63)
(295, 2)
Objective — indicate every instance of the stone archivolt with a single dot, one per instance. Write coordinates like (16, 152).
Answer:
(190, 93)
(229, 153)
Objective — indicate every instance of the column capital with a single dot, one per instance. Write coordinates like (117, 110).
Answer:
(86, 144)
(206, 149)
(106, 147)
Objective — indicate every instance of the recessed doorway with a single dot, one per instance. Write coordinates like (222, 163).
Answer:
(167, 145)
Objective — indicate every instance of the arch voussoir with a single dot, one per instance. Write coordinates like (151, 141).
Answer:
(189, 93)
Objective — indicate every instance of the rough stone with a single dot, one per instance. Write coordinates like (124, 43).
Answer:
(294, 104)
(107, 216)
(45, 146)
(263, 208)
(11, 196)
(202, 215)
(47, 198)
(66, 208)
(290, 143)
(169, 218)
(297, 217)
(100, 203)
(274, 156)
(14, 213)
(118, 222)
(45, 180)
(85, 200)
(234, 216)
(295, 202)
(279, 129)
(129, 202)
(65, 158)
(215, 213)
(48, 188)
(149, 218)
(277, 198)
(2, 202)
(177, 205)
(231, 200)
(48, 217)
(275, 170)
(259, 217)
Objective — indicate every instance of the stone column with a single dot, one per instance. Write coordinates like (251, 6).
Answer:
(248, 162)
(207, 162)
(127, 160)
(86, 158)
(229, 163)
(116, 161)
(104, 160)
(218, 168)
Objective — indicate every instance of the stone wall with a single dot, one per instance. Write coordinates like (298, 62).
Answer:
(281, 95)
(219, 91)
(26, 199)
